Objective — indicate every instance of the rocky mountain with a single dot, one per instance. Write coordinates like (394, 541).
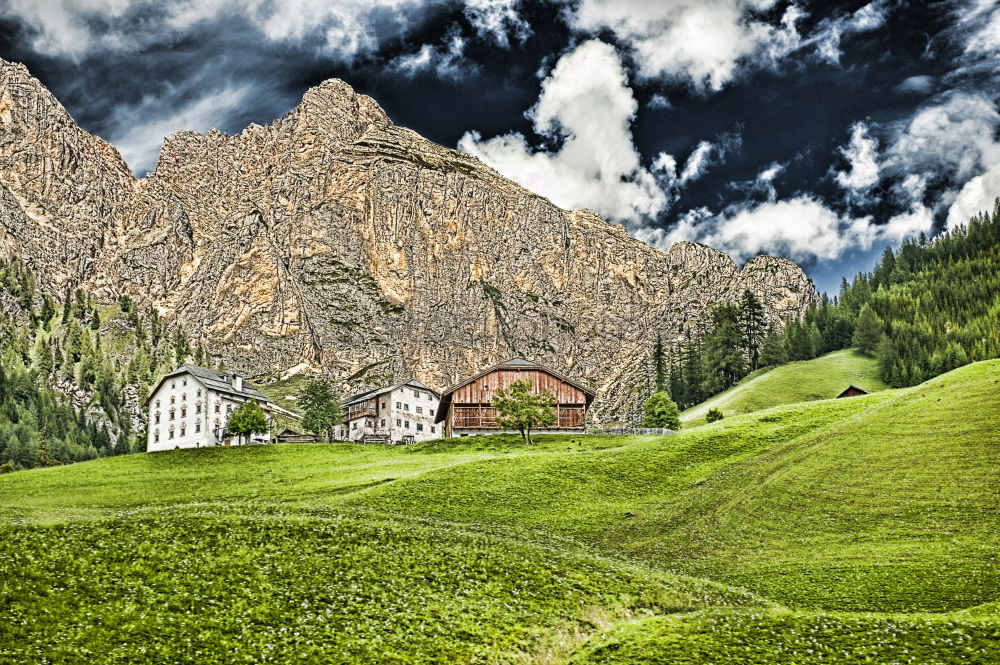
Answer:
(335, 240)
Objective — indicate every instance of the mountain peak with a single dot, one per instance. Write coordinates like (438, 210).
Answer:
(334, 238)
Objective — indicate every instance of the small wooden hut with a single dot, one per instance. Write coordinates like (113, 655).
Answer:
(852, 391)
(291, 436)
(467, 407)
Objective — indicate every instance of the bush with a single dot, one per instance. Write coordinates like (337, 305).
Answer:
(660, 411)
(713, 415)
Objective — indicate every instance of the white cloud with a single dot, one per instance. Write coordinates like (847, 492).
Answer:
(906, 225)
(862, 154)
(976, 196)
(801, 228)
(658, 101)
(344, 28)
(587, 103)
(915, 84)
(979, 26)
(951, 140)
(140, 143)
(497, 19)
(698, 162)
(699, 41)
(828, 34)
(707, 43)
(446, 60)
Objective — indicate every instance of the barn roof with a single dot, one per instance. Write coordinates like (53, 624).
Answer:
(515, 363)
(360, 397)
(860, 391)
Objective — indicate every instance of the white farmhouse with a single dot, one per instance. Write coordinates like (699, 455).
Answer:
(190, 406)
(403, 412)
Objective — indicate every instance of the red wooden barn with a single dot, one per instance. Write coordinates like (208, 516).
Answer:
(466, 408)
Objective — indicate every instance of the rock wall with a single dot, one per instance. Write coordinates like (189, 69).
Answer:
(336, 239)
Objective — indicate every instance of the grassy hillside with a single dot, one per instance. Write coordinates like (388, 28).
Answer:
(860, 529)
(803, 381)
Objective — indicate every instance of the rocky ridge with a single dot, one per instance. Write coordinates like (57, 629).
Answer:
(337, 240)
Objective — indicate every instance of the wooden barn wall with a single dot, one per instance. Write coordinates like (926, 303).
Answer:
(481, 390)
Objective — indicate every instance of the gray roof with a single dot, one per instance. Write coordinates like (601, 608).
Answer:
(517, 362)
(360, 397)
(215, 380)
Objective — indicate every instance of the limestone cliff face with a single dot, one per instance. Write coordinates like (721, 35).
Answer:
(334, 238)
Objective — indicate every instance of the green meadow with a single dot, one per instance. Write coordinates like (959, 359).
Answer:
(861, 530)
(802, 381)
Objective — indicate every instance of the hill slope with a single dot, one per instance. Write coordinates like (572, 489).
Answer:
(803, 381)
(884, 503)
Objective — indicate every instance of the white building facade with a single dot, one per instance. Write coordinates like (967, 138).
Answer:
(190, 406)
(400, 413)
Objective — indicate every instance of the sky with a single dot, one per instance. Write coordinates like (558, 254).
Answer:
(822, 132)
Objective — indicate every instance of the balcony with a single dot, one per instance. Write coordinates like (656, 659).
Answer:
(484, 417)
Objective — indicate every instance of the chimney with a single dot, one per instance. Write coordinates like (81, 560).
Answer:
(237, 383)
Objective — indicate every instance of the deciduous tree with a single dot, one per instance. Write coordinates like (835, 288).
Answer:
(519, 408)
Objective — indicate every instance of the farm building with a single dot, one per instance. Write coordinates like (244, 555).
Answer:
(402, 412)
(190, 406)
(852, 391)
(466, 408)
(291, 436)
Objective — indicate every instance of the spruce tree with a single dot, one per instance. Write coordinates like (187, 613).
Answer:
(868, 331)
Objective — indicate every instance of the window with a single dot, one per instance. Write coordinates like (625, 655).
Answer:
(199, 392)
(420, 427)
(173, 400)
(184, 412)
(157, 417)
(184, 382)
(398, 422)
(171, 432)
(432, 411)
(398, 405)
(354, 425)
(156, 436)
(432, 429)
(383, 404)
(216, 407)
(197, 407)
(382, 423)
(229, 409)
(420, 409)
(157, 404)
(406, 424)
(183, 429)
(173, 384)
(197, 426)
(172, 414)
(406, 407)
(416, 393)
(184, 397)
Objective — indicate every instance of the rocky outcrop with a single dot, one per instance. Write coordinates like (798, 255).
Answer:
(336, 239)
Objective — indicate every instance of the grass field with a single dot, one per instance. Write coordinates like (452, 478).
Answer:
(839, 531)
(804, 381)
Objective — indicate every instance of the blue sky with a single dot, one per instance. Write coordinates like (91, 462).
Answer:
(818, 131)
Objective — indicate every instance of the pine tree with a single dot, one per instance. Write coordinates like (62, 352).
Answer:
(660, 375)
(752, 323)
